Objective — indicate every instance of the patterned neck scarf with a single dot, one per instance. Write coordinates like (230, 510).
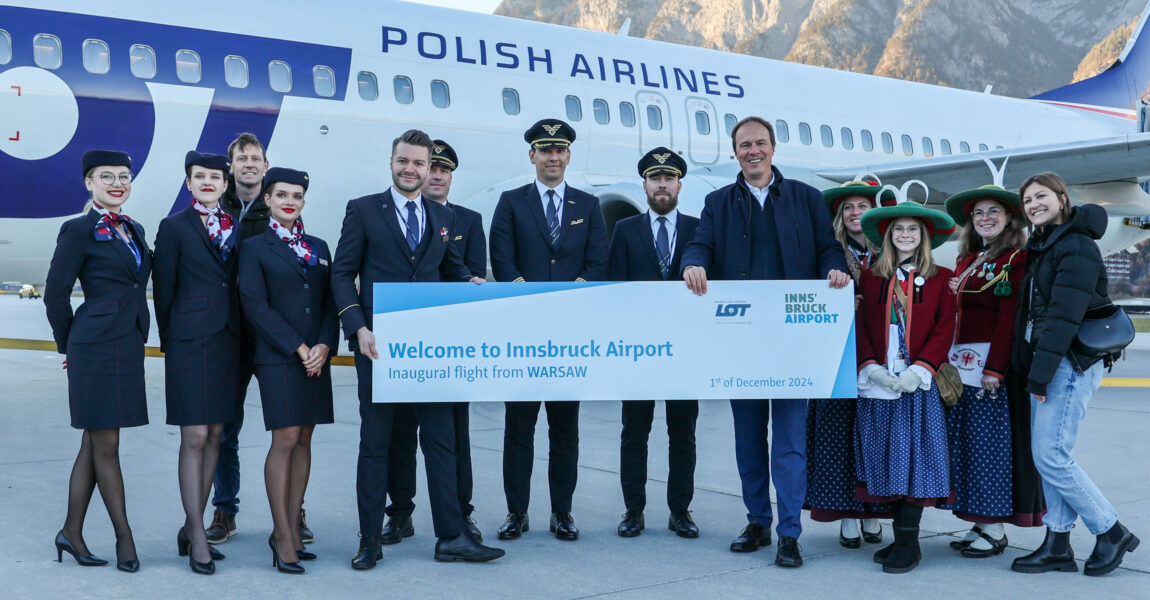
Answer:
(106, 230)
(294, 240)
(219, 225)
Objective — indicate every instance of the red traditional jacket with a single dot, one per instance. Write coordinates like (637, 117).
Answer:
(987, 316)
(929, 319)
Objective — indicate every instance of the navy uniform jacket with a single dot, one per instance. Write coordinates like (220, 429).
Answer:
(372, 246)
(469, 237)
(115, 292)
(807, 243)
(192, 287)
(286, 304)
(521, 245)
(633, 255)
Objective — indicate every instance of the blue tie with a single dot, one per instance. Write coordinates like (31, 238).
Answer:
(663, 248)
(553, 218)
(412, 226)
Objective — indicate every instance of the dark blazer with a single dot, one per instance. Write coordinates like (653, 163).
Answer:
(722, 243)
(286, 304)
(193, 288)
(633, 256)
(470, 238)
(372, 246)
(521, 245)
(115, 292)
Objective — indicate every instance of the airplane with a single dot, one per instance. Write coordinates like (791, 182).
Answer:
(327, 90)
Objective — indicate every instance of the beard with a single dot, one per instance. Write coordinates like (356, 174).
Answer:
(398, 183)
(661, 204)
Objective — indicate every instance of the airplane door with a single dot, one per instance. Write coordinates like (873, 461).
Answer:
(654, 121)
(702, 131)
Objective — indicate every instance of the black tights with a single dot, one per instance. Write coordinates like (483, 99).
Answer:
(98, 463)
(199, 449)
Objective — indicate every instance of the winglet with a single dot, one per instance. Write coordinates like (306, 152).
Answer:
(625, 28)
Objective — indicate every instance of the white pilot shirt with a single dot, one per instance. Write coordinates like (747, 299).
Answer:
(559, 191)
(401, 213)
(672, 221)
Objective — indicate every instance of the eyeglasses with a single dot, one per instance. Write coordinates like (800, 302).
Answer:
(107, 178)
(980, 214)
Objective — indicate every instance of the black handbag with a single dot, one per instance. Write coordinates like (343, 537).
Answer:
(1103, 335)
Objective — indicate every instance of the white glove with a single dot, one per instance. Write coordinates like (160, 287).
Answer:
(883, 378)
(907, 382)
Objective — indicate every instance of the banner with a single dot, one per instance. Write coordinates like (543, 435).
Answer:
(496, 342)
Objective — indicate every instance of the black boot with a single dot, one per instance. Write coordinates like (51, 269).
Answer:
(1109, 550)
(1055, 554)
(904, 553)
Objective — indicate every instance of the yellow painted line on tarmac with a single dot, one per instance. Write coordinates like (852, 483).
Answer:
(46, 346)
(1126, 382)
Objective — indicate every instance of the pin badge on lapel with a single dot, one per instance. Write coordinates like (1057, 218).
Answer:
(577, 222)
(443, 233)
(323, 262)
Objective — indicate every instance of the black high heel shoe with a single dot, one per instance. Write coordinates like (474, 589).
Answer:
(127, 566)
(84, 560)
(292, 568)
(305, 555)
(183, 543)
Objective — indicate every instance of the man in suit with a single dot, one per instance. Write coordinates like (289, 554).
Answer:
(545, 231)
(399, 236)
(763, 226)
(649, 247)
(472, 243)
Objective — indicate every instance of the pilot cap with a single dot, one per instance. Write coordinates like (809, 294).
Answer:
(285, 175)
(216, 162)
(550, 133)
(662, 160)
(104, 158)
(443, 154)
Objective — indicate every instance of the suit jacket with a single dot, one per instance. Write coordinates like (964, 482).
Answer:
(115, 291)
(807, 243)
(193, 289)
(372, 246)
(469, 236)
(286, 304)
(521, 244)
(633, 255)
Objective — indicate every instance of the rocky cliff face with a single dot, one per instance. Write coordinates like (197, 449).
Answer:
(1021, 47)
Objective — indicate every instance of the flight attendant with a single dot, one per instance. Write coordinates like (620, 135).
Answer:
(284, 283)
(992, 471)
(103, 344)
(905, 325)
(198, 315)
(831, 423)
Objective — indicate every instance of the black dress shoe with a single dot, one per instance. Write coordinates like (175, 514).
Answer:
(872, 537)
(996, 547)
(369, 553)
(1055, 554)
(788, 554)
(849, 542)
(462, 547)
(751, 538)
(632, 524)
(516, 525)
(683, 525)
(563, 526)
(199, 568)
(84, 560)
(291, 568)
(182, 544)
(128, 566)
(1109, 550)
(305, 555)
(397, 529)
(963, 543)
(472, 529)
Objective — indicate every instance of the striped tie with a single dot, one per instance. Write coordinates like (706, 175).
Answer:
(553, 218)
(412, 226)
(663, 248)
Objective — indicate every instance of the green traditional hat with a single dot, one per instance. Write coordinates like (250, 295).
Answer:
(959, 205)
(874, 222)
(835, 196)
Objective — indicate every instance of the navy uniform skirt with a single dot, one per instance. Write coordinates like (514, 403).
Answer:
(106, 383)
(200, 377)
(291, 398)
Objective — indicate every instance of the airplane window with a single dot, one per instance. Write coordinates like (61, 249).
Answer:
(998, 147)
(782, 131)
(654, 118)
(848, 138)
(702, 122)
(368, 85)
(96, 57)
(236, 71)
(827, 136)
(142, 60)
(945, 143)
(188, 66)
(983, 148)
(323, 78)
(440, 93)
(601, 110)
(805, 133)
(907, 145)
(867, 140)
(404, 92)
(964, 147)
(46, 51)
(5, 47)
(730, 121)
(927, 147)
(627, 114)
(279, 74)
(574, 108)
(510, 101)
(887, 143)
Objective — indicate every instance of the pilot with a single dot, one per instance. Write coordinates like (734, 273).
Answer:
(545, 231)
(198, 317)
(649, 247)
(472, 243)
(103, 343)
(763, 226)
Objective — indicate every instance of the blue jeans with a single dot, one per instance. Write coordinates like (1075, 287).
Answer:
(1054, 431)
(227, 480)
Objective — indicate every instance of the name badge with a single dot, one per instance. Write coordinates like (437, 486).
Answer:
(323, 262)
(577, 222)
(458, 237)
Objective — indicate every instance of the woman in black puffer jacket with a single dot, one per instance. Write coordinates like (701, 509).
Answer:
(1065, 279)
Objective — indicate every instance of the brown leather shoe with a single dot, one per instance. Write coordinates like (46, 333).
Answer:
(223, 527)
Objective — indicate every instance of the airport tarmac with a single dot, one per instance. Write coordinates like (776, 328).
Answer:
(37, 448)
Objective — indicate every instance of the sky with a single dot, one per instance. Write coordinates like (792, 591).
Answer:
(483, 6)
